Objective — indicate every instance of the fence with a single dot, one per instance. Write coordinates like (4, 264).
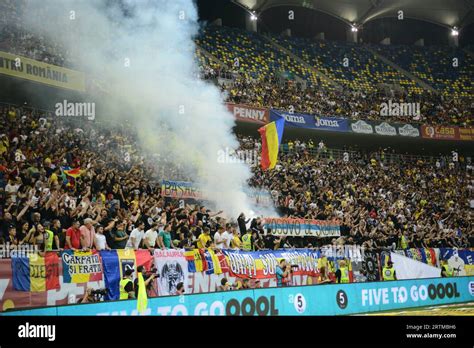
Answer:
(335, 299)
(350, 155)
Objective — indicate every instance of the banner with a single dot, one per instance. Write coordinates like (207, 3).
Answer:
(301, 227)
(408, 130)
(460, 260)
(29, 69)
(311, 121)
(340, 299)
(172, 268)
(114, 263)
(370, 266)
(180, 189)
(189, 190)
(362, 127)
(440, 132)
(35, 273)
(246, 113)
(81, 266)
(385, 128)
(263, 264)
(407, 268)
(466, 134)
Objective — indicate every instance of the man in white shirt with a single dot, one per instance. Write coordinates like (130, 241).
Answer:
(12, 189)
(149, 240)
(227, 235)
(100, 242)
(219, 238)
(136, 237)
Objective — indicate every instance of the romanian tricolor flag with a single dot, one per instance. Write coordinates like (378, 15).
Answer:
(114, 263)
(75, 172)
(35, 272)
(70, 175)
(213, 262)
(214, 265)
(271, 138)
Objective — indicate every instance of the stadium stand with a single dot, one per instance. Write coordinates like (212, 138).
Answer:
(426, 203)
(363, 70)
(434, 65)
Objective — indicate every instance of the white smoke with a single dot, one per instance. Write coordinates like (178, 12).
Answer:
(143, 51)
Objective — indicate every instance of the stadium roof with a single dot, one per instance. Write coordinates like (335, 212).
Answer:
(448, 13)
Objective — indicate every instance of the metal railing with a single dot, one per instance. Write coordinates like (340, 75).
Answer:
(350, 155)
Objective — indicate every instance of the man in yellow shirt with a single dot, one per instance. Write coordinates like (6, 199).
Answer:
(4, 144)
(235, 242)
(204, 239)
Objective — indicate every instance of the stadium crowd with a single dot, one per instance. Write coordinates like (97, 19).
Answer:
(67, 185)
(434, 109)
(255, 86)
(15, 39)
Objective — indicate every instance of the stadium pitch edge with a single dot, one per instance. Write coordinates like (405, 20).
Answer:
(457, 309)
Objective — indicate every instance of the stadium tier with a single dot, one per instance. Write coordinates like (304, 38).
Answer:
(250, 54)
(446, 69)
(350, 65)
(154, 150)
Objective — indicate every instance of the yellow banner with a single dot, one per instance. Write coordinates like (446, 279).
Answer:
(33, 70)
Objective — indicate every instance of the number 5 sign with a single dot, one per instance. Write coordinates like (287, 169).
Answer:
(341, 299)
(299, 302)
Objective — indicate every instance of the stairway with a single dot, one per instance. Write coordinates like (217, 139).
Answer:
(404, 72)
(302, 62)
(211, 56)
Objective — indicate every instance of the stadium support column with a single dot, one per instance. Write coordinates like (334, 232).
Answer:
(420, 42)
(217, 22)
(453, 40)
(320, 36)
(351, 34)
(385, 41)
(250, 24)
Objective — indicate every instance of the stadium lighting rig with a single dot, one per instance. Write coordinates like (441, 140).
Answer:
(253, 14)
(455, 31)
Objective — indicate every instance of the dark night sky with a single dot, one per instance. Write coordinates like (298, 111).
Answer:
(310, 22)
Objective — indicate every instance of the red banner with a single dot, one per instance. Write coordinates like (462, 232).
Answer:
(246, 113)
(466, 134)
(440, 132)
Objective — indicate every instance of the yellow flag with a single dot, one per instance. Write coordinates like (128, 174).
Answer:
(142, 300)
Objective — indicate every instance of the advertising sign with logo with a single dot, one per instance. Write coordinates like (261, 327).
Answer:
(334, 299)
(292, 120)
(440, 132)
(408, 130)
(246, 113)
(385, 129)
(311, 121)
(466, 134)
(362, 127)
(331, 124)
